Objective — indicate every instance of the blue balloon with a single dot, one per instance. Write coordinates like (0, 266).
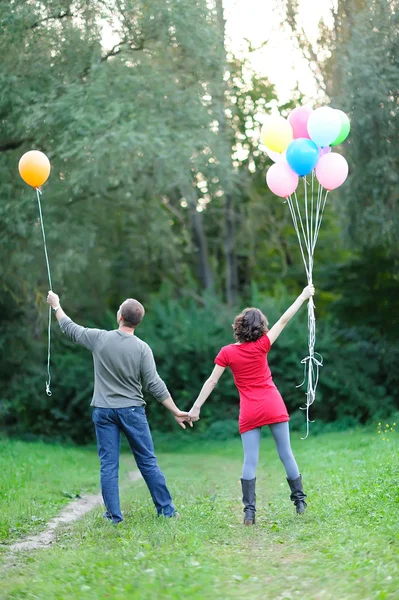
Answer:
(302, 156)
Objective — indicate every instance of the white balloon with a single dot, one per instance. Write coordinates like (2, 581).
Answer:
(276, 157)
(324, 126)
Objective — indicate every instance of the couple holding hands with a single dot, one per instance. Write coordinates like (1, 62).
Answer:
(124, 365)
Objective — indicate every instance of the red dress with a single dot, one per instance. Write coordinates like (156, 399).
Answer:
(260, 401)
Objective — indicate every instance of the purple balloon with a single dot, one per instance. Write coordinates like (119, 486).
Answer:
(325, 150)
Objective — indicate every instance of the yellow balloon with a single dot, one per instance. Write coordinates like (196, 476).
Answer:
(34, 168)
(277, 133)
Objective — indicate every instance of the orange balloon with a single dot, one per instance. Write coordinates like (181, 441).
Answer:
(34, 168)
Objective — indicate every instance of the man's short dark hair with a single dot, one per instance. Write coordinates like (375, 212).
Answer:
(132, 312)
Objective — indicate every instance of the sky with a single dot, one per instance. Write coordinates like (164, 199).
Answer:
(263, 20)
(282, 62)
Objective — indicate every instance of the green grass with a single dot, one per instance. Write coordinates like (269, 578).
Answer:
(346, 546)
(37, 480)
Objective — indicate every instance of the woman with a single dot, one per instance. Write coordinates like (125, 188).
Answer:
(260, 401)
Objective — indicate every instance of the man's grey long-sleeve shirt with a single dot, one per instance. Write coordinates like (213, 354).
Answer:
(123, 366)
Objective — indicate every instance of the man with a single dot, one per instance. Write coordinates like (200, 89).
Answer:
(123, 364)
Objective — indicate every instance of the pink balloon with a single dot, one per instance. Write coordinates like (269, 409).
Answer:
(332, 170)
(282, 180)
(298, 119)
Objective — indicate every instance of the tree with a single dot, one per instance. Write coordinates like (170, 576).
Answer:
(360, 74)
(369, 92)
(128, 132)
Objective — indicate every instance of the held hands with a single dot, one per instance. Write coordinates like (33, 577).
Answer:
(194, 413)
(191, 417)
(308, 292)
(181, 418)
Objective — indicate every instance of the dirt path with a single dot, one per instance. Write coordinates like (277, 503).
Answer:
(72, 512)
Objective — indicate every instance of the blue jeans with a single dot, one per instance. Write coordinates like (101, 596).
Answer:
(109, 422)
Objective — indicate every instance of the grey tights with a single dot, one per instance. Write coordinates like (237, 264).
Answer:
(251, 443)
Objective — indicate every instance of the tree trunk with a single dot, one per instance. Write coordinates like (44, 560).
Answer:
(231, 284)
(345, 17)
(230, 253)
(200, 241)
(205, 271)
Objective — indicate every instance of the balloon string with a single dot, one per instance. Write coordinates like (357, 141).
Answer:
(38, 193)
(307, 229)
(294, 220)
(311, 210)
(312, 364)
(48, 382)
(323, 205)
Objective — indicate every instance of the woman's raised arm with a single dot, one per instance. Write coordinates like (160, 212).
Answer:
(287, 316)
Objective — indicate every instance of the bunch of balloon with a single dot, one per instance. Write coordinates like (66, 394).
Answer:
(300, 146)
(34, 168)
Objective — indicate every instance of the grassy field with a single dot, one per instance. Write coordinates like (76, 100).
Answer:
(346, 546)
(37, 480)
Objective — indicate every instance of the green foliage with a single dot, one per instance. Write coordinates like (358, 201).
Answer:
(366, 292)
(185, 338)
(358, 381)
(127, 131)
(355, 60)
(222, 430)
(121, 162)
(369, 63)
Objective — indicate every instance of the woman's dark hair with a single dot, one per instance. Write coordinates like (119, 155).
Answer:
(250, 325)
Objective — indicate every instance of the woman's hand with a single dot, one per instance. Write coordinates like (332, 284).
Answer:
(181, 418)
(194, 413)
(308, 291)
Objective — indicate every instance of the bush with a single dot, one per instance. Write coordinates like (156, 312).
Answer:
(358, 382)
(222, 430)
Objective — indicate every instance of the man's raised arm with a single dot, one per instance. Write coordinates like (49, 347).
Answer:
(78, 334)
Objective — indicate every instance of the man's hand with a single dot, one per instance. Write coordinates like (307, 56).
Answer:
(183, 417)
(308, 292)
(53, 299)
(194, 413)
